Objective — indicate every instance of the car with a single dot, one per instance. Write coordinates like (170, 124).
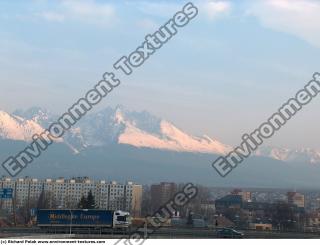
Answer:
(229, 233)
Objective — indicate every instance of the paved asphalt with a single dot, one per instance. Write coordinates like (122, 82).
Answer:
(19, 232)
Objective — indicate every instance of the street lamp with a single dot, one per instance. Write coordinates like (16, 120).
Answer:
(70, 232)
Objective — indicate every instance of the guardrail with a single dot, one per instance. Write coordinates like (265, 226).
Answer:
(44, 236)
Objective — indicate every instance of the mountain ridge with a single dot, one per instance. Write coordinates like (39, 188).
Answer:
(140, 129)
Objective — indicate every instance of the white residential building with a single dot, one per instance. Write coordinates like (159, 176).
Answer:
(66, 193)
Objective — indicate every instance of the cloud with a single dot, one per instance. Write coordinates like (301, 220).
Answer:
(51, 16)
(87, 11)
(209, 8)
(88, 8)
(215, 9)
(147, 24)
(296, 17)
(159, 9)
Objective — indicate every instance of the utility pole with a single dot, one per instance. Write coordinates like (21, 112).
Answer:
(146, 229)
(14, 200)
(1, 203)
(28, 203)
(70, 231)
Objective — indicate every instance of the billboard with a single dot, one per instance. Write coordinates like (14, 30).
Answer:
(6, 193)
(74, 217)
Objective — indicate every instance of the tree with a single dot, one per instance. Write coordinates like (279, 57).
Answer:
(23, 213)
(91, 204)
(87, 202)
(83, 202)
(43, 201)
(284, 216)
(190, 219)
(146, 203)
(70, 203)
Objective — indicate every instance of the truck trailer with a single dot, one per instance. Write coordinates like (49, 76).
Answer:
(82, 218)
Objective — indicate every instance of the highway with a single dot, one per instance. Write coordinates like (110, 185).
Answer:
(19, 232)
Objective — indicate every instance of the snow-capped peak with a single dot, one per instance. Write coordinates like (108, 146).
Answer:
(170, 138)
(290, 155)
(37, 114)
(119, 116)
(139, 129)
(16, 128)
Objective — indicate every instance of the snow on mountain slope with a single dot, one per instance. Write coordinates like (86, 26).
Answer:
(290, 155)
(191, 143)
(17, 128)
(277, 153)
(39, 115)
(72, 137)
(139, 129)
(169, 138)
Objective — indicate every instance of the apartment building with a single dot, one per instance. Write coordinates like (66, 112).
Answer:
(162, 193)
(295, 198)
(66, 193)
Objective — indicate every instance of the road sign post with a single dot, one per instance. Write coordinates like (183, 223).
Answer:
(7, 193)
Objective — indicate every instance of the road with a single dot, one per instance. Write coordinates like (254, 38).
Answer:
(160, 233)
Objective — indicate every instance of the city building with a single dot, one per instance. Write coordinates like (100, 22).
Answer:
(228, 202)
(161, 193)
(246, 195)
(295, 198)
(313, 219)
(66, 193)
(257, 212)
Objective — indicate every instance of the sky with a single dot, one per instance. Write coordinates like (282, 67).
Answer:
(222, 75)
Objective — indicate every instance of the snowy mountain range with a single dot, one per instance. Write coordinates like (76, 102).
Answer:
(138, 129)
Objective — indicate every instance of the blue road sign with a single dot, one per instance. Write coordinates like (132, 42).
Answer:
(6, 193)
(33, 211)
